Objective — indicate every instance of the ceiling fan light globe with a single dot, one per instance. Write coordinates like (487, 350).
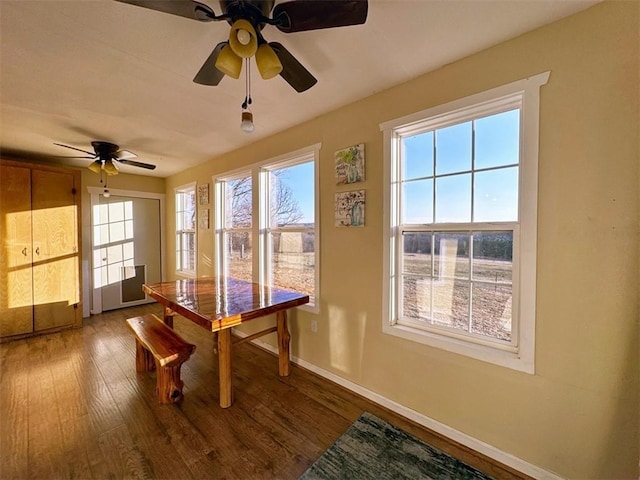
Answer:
(110, 168)
(268, 63)
(95, 167)
(241, 45)
(229, 63)
(246, 125)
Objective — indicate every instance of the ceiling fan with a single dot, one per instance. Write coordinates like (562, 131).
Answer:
(247, 19)
(104, 156)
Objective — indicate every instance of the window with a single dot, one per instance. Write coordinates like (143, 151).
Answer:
(272, 207)
(186, 229)
(461, 215)
(112, 242)
(235, 233)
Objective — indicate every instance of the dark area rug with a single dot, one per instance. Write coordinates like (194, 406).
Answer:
(373, 449)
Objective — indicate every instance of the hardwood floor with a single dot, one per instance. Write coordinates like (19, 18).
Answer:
(72, 406)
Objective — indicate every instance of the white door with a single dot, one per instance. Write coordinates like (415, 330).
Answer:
(126, 250)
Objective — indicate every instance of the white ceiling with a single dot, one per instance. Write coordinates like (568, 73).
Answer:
(76, 71)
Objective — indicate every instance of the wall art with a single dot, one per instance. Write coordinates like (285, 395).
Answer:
(349, 209)
(349, 165)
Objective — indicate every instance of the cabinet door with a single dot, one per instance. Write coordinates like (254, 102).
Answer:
(56, 285)
(16, 295)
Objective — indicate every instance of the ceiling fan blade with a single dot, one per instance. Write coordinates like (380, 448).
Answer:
(293, 71)
(134, 163)
(125, 155)
(73, 156)
(209, 74)
(183, 8)
(301, 15)
(78, 149)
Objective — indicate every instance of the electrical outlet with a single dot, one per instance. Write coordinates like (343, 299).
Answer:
(314, 326)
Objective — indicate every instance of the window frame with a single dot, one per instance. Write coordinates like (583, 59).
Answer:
(519, 354)
(260, 225)
(222, 230)
(189, 188)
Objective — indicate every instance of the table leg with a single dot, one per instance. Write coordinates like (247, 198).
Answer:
(224, 365)
(168, 316)
(284, 338)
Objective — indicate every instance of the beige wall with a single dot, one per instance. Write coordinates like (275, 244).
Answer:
(578, 415)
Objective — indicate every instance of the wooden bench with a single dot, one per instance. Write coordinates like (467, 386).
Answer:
(159, 347)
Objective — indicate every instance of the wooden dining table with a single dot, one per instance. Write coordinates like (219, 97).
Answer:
(219, 303)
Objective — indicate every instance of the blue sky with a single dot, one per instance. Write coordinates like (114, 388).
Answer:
(495, 191)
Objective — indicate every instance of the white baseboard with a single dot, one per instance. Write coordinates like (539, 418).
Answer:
(451, 433)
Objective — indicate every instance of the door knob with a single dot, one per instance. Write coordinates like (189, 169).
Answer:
(24, 251)
(37, 250)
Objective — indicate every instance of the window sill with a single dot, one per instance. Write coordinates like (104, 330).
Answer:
(496, 356)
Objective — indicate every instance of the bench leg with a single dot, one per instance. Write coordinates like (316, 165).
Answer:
(169, 386)
(144, 359)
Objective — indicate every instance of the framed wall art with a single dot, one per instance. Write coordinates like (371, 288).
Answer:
(349, 209)
(349, 165)
(203, 194)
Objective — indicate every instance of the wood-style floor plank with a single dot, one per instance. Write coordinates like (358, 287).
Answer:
(73, 406)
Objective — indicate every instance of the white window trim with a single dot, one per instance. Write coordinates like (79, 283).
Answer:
(259, 212)
(523, 357)
(181, 189)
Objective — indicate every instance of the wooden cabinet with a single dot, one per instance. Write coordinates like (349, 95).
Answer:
(40, 257)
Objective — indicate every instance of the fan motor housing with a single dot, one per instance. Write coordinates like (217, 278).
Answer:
(252, 10)
(105, 149)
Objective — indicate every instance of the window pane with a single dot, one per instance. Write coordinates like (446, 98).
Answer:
(417, 205)
(453, 199)
(128, 229)
(453, 149)
(497, 140)
(128, 210)
(451, 303)
(292, 195)
(116, 232)
(101, 213)
(417, 156)
(239, 255)
(496, 195)
(417, 253)
(114, 253)
(416, 299)
(190, 220)
(116, 212)
(128, 252)
(492, 256)
(293, 261)
(238, 203)
(451, 255)
(491, 311)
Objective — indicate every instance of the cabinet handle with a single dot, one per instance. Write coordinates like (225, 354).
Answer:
(37, 250)
(24, 251)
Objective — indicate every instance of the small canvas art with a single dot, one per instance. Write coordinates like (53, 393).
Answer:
(349, 164)
(203, 194)
(203, 219)
(349, 209)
